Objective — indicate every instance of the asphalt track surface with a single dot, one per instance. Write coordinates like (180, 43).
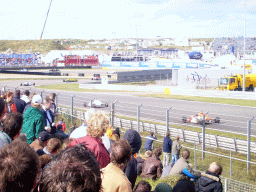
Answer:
(232, 118)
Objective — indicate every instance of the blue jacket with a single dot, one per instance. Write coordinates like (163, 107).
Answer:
(167, 145)
(4, 139)
(149, 143)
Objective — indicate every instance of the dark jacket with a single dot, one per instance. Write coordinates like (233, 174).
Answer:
(33, 124)
(134, 139)
(48, 121)
(167, 145)
(152, 168)
(149, 142)
(140, 162)
(209, 182)
(20, 104)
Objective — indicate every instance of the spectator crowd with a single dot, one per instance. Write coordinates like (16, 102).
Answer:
(39, 152)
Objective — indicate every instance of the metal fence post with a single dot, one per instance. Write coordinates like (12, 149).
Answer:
(230, 164)
(167, 120)
(195, 153)
(203, 142)
(138, 118)
(113, 113)
(57, 99)
(42, 93)
(249, 144)
(4, 87)
(226, 185)
(72, 108)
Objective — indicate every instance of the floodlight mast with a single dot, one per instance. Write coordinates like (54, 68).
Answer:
(244, 45)
(45, 20)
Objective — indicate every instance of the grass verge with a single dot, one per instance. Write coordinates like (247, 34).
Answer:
(241, 102)
(73, 87)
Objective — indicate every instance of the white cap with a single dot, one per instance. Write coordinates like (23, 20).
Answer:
(37, 99)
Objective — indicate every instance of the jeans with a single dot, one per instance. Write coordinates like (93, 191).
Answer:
(175, 158)
(166, 160)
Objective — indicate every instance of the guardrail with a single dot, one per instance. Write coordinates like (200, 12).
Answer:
(215, 141)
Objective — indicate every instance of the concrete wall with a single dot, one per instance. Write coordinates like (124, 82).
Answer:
(205, 78)
(144, 75)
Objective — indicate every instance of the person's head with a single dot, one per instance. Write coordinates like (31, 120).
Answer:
(142, 186)
(26, 92)
(59, 127)
(151, 134)
(117, 132)
(184, 185)
(121, 153)
(167, 134)
(148, 154)
(43, 138)
(36, 101)
(9, 96)
(19, 166)
(17, 92)
(12, 124)
(98, 124)
(157, 151)
(52, 96)
(177, 138)
(161, 187)
(2, 106)
(215, 168)
(88, 114)
(74, 169)
(134, 139)
(47, 103)
(53, 145)
(185, 154)
(66, 143)
(44, 160)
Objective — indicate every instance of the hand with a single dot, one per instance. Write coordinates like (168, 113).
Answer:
(48, 129)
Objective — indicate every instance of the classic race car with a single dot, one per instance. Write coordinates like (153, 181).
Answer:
(27, 84)
(69, 80)
(198, 118)
(96, 104)
(96, 78)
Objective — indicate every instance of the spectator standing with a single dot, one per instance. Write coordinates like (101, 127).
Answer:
(167, 149)
(53, 108)
(41, 142)
(20, 104)
(149, 142)
(19, 166)
(11, 128)
(29, 103)
(134, 139)
(47, 113)
(33, 123)
(51, 148)
(74, 169)
(152, 168)
(175, 150)
(97, 127)
(113, 177)
(25, 96)
(210, 181)
(10, 106)
(183, 168)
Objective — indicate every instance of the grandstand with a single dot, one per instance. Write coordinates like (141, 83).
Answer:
(223, 45)
(18, 59)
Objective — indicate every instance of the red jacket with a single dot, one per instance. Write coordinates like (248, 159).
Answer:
(96, 146)
(13, 108)
(63, 124)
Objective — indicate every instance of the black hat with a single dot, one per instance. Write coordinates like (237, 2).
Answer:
(44, 136)
(134, 139)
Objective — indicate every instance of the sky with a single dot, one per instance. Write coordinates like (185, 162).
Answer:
(108, 19)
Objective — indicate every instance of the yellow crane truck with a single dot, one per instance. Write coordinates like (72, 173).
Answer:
(235, 82)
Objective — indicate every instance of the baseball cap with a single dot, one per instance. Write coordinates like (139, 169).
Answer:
(37, 99)
(44, 136)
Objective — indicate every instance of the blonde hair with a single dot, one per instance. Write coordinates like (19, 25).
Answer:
(98, 124)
